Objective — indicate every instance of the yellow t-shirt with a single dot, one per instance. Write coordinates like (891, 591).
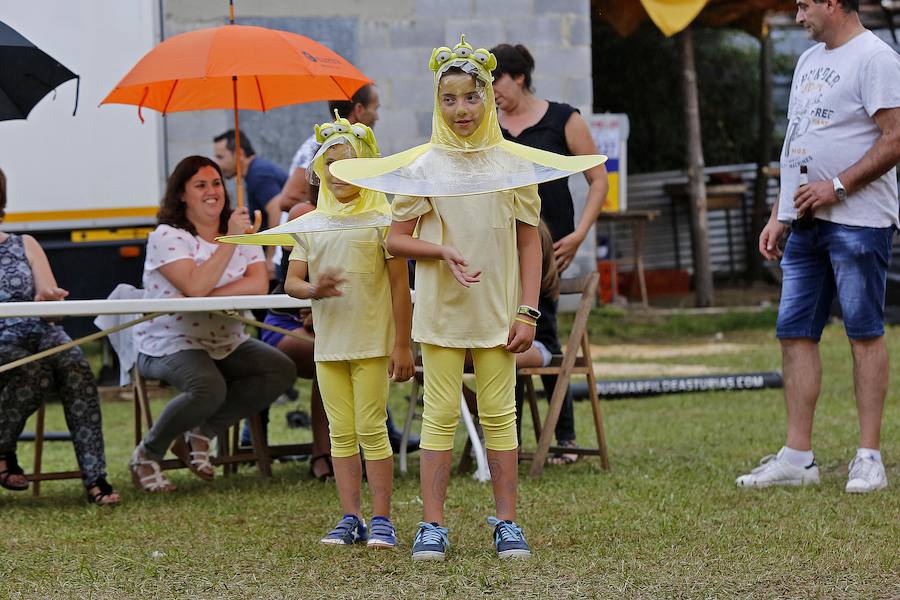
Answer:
(483, 229)
(359, 324)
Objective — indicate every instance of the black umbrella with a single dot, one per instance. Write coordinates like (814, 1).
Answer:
(27, 74)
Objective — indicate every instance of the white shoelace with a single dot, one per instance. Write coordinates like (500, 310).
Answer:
(766, 462)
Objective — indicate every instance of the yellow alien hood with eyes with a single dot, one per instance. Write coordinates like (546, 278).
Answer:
(370, 209)
(452, 165)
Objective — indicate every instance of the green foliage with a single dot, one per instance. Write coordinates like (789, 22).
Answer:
(641, 75)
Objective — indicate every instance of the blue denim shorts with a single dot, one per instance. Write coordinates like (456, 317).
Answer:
(832, 259)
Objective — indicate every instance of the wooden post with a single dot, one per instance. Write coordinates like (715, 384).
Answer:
(696, 179)
(763, 154)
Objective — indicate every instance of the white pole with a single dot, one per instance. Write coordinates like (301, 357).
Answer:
(482, 473)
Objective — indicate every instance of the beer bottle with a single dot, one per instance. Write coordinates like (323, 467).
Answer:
(804, 219)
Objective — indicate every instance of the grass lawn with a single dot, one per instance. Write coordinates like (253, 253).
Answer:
(666, 521)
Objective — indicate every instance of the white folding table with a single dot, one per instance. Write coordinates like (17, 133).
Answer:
(229, 306)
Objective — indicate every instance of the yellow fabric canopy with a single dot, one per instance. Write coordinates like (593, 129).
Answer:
(673, 16)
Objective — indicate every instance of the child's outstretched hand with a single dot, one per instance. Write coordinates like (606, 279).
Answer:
(520, 337)
(327, 282)
(401, 366)
(458, 265)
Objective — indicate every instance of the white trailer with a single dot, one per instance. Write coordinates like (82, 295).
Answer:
(87, 186)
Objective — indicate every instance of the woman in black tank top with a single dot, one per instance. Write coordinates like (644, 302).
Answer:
(552, 126)
(559, 128)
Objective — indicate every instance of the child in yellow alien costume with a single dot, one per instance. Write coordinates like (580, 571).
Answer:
(362, 311)
(467, 209)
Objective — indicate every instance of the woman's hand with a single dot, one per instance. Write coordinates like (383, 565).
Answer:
(239, 221)
(327, 282)
(564, 250)
(521, 335)
(401, 366)
(51, 294)
(457, 264)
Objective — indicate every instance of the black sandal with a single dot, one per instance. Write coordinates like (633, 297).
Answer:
(12, 468)
(324, 477)
(103, 490)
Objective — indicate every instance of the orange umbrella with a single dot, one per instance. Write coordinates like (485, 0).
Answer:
(237, 67)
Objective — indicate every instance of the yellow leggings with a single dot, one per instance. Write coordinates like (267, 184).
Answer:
(355, 394)
(495, 382)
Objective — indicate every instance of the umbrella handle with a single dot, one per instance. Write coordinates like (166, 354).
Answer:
(257, 222)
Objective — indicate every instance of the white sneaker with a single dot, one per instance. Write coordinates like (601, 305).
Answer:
(774, 470)
(866, 475)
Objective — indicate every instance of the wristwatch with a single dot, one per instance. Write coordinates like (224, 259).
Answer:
(528, 311)
(839, 189)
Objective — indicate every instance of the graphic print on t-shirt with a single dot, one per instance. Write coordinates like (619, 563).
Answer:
(809, 111)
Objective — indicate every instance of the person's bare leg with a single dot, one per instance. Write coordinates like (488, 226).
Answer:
(302, 352)
(380, 474)
(504, 466)
(870, 381)
(321, 443)
(434, 476)
(802, 383)
(348, 475)
(530, 358)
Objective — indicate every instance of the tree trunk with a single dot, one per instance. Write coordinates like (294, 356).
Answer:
(764, 154)
(703, 284)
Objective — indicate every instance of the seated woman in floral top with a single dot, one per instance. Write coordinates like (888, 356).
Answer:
(223, 374)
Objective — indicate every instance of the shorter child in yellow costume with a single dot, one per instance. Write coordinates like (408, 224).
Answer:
(362, 311)
(467, 209)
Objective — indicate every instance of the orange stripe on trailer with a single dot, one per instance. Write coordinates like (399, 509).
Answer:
(73, 215)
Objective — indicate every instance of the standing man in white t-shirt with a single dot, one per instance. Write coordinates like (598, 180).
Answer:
(844, 128)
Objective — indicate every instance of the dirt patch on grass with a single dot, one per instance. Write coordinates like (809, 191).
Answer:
(651, 351)
(608, 369)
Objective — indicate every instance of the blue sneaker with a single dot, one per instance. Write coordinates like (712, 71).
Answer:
(431, 542)
(350, 530)
(509, 539)
(382, 534)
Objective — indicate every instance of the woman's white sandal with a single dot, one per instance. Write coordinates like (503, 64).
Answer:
(196, 460)
(155, 482)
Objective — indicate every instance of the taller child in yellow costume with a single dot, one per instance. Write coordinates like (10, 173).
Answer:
(471, 197)
(462, 306)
